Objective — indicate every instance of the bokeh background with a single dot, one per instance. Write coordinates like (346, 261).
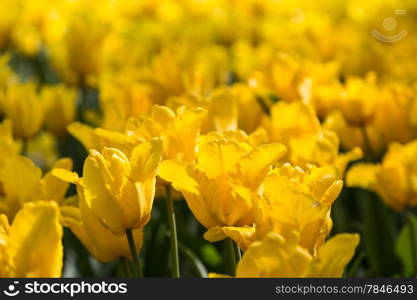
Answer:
(99, 62)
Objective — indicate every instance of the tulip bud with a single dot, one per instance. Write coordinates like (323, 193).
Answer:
(120, 190)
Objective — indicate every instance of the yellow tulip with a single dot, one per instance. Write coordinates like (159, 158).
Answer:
(120, 190)
(88, 137)
(291, 120)
(123, 95)
(228, 108)
(22, 182)
(392, 179)
(60, 104)
(43, 150)
(297, 126)
(297, 200)
(393, 116)
(9, 14)
(6, 75)
(292, 200)
(321, 86)
(285, 77)
(333, 257)
(181, 69)
(350, 136)
(23, 107)
(219, 186)
(8, 146)
(179, 131)
(391, 122)
(76, 55)
(276, 256)
(103, 244)
(31, 246)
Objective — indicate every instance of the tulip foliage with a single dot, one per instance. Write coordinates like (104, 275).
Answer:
(207, 139)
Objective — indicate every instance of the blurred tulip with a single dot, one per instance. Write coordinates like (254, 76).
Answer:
(179, 131)
(219, 187)
(297, 126)
(24, 108)
(60, 103)
(392, 179)
(359, 100)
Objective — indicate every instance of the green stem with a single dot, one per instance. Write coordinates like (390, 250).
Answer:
(413, 243)
(232, 256)
(238, 254)
(175, 262)
(134, 253)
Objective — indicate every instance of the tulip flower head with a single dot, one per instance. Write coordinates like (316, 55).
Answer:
(392, 179)
(219, 186)
(120, 190)
(276, 256)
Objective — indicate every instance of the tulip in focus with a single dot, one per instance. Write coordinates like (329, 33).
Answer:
(103, 244)
(276, 256)
(292, 200)
(219, 187)
(120, 190)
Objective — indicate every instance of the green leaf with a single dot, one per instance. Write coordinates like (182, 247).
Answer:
(406, 246)
(378, 236)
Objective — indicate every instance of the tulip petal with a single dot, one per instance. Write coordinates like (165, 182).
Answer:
(334, 256)
(243, 236)
(180, 137)
(218, 157)
(85, 134)
(254, 166)
(20, 179)
(176, 173)
(54, 188)
(145, 159)
(274, 256)
(66, 175)
(98, 199)
(362, 175)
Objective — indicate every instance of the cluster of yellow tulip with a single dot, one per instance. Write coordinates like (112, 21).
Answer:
(251, 111)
